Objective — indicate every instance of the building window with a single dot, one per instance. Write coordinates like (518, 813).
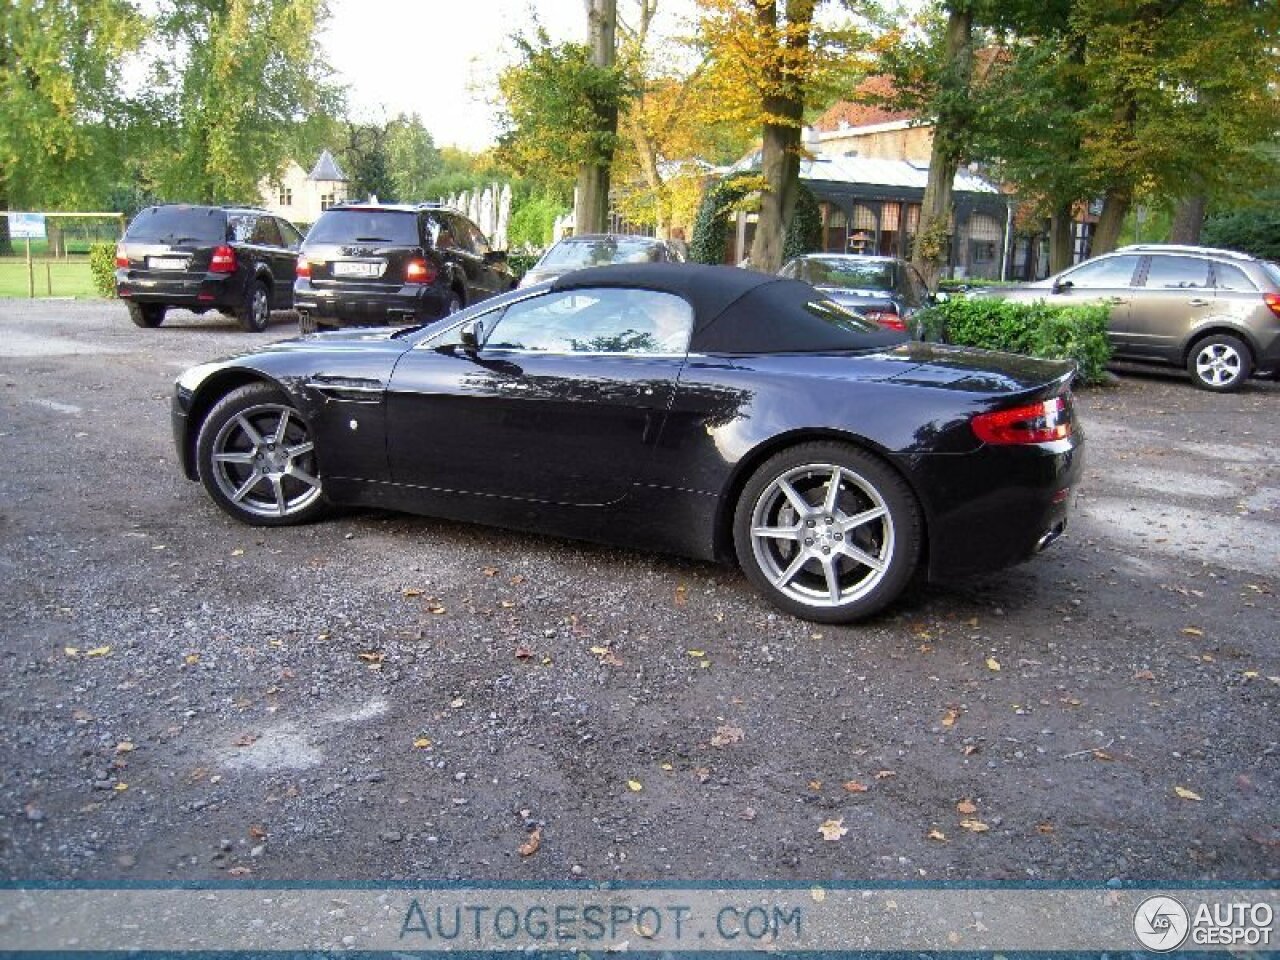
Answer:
(890, 218)
(984, 236)
(286, 197)
(835, 228)
(326, 201)
(862, 231)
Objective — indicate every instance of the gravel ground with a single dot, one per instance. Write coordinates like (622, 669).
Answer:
(389, 697)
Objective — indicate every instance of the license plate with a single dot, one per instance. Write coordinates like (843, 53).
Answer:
(167, 263)
(348, 269)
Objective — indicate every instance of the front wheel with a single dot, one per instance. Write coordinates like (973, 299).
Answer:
(148, 315)
(1220, 362)
(828, 532)
(257, 458)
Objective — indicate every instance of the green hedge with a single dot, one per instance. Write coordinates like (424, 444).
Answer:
(102, 264)
(522, 263)
(1032, 329)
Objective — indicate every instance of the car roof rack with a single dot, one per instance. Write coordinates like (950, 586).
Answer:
(1184, 248)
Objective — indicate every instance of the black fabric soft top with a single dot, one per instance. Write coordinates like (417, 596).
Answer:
(739, 311)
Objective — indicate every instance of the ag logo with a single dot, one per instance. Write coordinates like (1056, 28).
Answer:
(1161, 923)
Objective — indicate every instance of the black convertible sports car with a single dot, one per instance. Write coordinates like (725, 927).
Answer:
(707, 411)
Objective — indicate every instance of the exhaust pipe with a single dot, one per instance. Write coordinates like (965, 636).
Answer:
(1050, 535)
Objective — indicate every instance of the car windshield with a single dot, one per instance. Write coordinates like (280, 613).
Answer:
(847, 274)
(366, 226)
(178, 225)
(595, 253)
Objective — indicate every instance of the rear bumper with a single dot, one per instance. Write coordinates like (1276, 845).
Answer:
(344, 306)
(1000, 506)
(199, 290)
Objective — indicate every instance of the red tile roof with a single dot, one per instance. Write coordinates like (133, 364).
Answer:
(861, 110)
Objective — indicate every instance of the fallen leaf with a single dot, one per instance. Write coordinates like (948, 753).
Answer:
(936, 834)
(666, 766)
(885, 774)
(1250, 674)
(237, 552)
(696, 653)
(950, 717)
(523, 652)
(71, 651)
(436, 609)
(977, 826)
(1045, 827)
(124, 746)
(1193, 631)
(1100, 754)
(682, 595)
(239, 871)
(971, 749)
(993, 664)
(702, 773)
(727, 734)
(517, 580)
(1186, 794)
(635, 786)
(815, 785)
(531, 845)
(372, 656)
(833, 829)
(411, 592)
(506, 604)
(422, 743)
(97, 652)
(246, 739)
(747, 813)
(489, 571)
(257, 832)
(121, 787)
(817, 894)
(853, 786)
(457, 703)
(966, 807)
(1144, 675)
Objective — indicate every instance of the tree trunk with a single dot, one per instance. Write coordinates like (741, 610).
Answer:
(1061, 251)
(6, 243)
(592, 212)
(648, 160)
(1107, 232)
(932, 244)
(783, 108)
(1188, 220)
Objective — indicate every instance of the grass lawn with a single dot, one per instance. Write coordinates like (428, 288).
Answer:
(68, 278)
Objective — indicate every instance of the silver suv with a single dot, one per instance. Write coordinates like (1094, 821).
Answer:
(1216, 312)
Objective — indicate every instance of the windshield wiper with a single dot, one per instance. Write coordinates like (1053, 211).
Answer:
(373, 240)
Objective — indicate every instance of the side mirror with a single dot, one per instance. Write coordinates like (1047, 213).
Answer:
(472, 336)
(1061, 286)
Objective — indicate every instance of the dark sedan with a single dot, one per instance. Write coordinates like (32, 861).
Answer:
(707, 411)
(885, 289)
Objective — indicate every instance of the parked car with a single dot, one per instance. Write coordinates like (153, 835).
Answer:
(887, 290)
(234, 259)
(373, 264)
(706, 411)
(598, 250)
(1214, 312)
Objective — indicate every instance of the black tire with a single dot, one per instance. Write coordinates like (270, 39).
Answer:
(255, 312)
(287, 489)
(814, 569)
(1220, 363)
(148, 315)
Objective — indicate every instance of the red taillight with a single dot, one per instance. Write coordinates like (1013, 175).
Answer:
(418, 270)
(1272, 300)
(303, 269)
(223, 261)
(1033, 423)
(888, 319)
(122, 260)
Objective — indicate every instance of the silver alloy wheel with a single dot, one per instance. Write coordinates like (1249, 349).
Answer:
(1218, 364)
(822, 534)
(264, 461)
(261, 307)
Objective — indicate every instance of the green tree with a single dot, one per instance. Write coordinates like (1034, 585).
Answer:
(412, 158)
(248, 77)
(365, 161)
(59, 90)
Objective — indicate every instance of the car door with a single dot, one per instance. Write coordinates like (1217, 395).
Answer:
(453, 239)
(270, 248)
(492, 279)
(1175, 295)
(562, 402)
(1107, 280)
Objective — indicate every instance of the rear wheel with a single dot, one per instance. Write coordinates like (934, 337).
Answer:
(256, 457)
(147, 315)
(1220, 362)
(255, 313)
(828, 532)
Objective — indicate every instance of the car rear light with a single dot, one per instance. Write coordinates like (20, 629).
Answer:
(888, 319)
(1033, 423)
(1272, 300)
(303, 269)
(223, 261)
(419, 270)
(122, 260)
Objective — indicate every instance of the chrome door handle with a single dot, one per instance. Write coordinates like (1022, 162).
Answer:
(1117, 301)
(1197, 302)
(508, 385)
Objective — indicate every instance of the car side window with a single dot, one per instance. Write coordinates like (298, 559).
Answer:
(478, 243)
(1227, 277)
(445, 233)
(1111, 272)
(1177, 273)
(613, 321)
(290, 234)
(240, 227)
(266, 233)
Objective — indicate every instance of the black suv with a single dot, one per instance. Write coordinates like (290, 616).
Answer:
(369, 265)
(237, 260)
